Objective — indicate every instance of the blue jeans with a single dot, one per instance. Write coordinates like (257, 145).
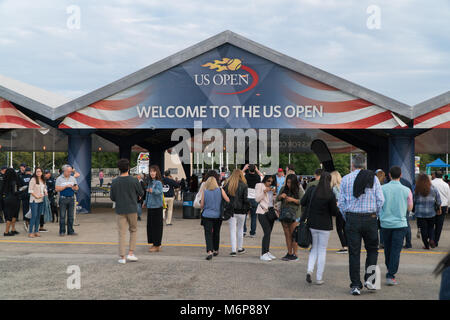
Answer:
(66, 207)
(139, 209)
(393, 243)
(36, 210)
(253, 206)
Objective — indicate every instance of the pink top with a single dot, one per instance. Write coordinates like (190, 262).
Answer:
(100, 175)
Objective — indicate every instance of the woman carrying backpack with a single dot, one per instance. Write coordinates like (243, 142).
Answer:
(237, 190)
(211, 215)
(320, 204)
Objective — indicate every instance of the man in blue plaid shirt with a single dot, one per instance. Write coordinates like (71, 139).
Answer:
(360, 214)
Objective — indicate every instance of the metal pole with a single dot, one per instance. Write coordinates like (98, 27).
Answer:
(34, 160)
(446, 161)
(227, 160)
(53, 162)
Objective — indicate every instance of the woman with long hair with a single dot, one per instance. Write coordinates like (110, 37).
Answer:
(426, 202)
(37, 190)
(322, 206)
(211, 220)
(336, 179)
(290, 196)
(236, 189)
(264, 194)
(11, 202)
(154, 204)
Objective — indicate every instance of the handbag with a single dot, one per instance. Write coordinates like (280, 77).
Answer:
(271, 214)
(288, 214)
(437, 207)
(226, 210)
(198, 198)
(28, 214)
(302, 234)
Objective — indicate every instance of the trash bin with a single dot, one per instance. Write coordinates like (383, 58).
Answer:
(197, 213)
(188, 205)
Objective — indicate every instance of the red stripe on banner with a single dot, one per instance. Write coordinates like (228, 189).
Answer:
(311, 82)
(359, 124)
(123, 103)
(444, 125)
(6, 104)
(64, 126)
(106, 124)
(328, 107)
(432, 114)
(5, 120)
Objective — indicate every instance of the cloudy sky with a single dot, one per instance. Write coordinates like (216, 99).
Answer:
(407, 58)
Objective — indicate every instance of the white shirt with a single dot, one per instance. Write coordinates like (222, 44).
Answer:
(444, 190)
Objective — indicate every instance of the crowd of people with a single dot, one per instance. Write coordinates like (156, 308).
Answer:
(371, 206)
(364, 207)
(41, 197)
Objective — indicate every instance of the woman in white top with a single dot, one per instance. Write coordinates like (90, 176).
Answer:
(264, 194)
(38, 190)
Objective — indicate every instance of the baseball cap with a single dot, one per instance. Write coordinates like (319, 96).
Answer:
(47, 171)
(23, 165)
(27, 169)
(280, 170)
(3, 168)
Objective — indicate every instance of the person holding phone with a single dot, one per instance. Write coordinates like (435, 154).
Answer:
(66, 185)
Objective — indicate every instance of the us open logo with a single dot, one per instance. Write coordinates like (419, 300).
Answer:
(236, 74)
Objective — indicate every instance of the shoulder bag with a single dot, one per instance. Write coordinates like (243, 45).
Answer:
(303, 234)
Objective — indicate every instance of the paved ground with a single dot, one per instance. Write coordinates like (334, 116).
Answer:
(37, 269)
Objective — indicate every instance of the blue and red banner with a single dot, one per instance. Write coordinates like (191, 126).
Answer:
(229, 87)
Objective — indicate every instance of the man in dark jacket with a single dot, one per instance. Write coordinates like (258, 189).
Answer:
(169, 186)
(24, 176)
(253, 176)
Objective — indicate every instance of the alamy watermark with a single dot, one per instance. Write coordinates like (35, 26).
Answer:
(74, 280)
(234, 143)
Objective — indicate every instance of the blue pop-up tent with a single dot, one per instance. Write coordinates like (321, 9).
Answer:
(438, 163)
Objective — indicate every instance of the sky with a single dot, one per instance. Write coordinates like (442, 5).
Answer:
(406, 56)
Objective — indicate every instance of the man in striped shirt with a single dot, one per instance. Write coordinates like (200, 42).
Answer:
(360, 201)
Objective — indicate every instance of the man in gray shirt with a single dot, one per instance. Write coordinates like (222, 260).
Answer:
(125, 192)
(66, 185)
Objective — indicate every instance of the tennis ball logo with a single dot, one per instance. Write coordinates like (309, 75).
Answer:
(234, 64)
(224, 64)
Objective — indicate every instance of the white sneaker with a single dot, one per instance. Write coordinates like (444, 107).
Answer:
(271, 256)
(132, 258)
(265, 257)
(122, 261)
